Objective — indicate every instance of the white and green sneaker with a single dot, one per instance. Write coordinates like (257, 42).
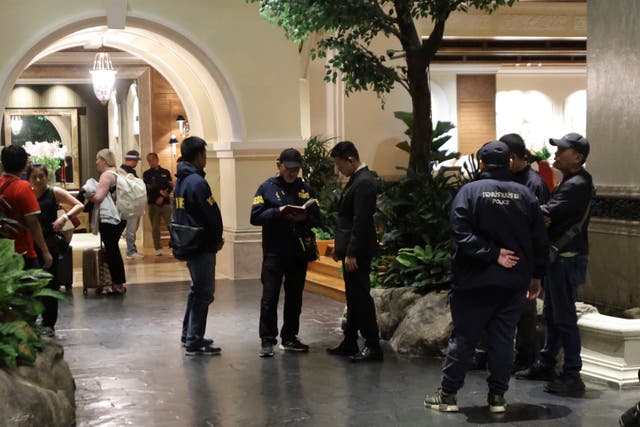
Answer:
(441, 401)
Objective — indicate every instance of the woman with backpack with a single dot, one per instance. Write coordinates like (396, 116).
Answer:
(110, 227)
(49, 198)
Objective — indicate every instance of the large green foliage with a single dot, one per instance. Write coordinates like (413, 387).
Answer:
(20, 293)
(347, 29)
(319, 171)
(421, 267)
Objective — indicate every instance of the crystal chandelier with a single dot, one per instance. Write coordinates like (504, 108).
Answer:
(103, 76)
(16, 124)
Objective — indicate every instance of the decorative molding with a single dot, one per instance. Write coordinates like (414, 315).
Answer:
(617, 208)
(614, 227)
(255, 149)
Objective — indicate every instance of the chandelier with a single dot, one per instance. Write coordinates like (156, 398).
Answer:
(103, 76)
(16, 124)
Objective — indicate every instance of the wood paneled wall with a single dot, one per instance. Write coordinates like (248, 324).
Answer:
(165, 107)
(476, 111)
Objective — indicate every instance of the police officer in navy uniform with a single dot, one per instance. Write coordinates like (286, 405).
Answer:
(499, 256)
(282, 251)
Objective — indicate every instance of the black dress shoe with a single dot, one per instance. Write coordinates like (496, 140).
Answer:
(368, 354)
(344, 349)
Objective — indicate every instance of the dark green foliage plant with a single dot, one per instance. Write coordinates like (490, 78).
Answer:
(439, 137)
(20, 293)
(348, 28)
(319, 171)
(423, 268)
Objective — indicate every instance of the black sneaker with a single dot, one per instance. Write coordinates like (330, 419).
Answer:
(294, 345)
(497, 404)
(631, 417)
(203, 350)
(205, 341)
(441, 401)
(570, 384)
(266, 349)
(537, 372)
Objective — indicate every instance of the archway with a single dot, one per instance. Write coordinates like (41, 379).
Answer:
(204, 89)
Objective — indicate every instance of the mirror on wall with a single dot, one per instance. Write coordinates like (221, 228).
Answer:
(50, 133)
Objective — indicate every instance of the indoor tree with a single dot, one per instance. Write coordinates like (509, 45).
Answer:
(348, 28)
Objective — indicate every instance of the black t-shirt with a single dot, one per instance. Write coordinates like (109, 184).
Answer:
(157, 180)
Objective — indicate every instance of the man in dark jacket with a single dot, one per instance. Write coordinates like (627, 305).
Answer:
(526, 348)
(159, 186)
(196, 207)
(283, 231)
(567, 215)
(499, 256)
(355, 246)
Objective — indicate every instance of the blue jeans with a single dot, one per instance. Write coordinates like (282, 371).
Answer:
(490, 312)
(203, 275)
(130, 235)
(561, 329)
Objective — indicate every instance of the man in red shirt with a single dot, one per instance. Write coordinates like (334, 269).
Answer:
(24, 207)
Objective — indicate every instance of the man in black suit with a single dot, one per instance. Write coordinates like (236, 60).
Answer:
(355, 246)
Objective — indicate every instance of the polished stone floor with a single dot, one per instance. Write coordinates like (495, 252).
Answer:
(130, 371)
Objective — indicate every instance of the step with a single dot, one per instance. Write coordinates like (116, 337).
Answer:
(329, 286)
(326, 265)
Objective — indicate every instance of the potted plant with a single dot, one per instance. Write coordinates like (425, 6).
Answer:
(319, 171)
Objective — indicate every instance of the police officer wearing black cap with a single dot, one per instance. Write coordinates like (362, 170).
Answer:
(567, 216)
(499, 256)
(282, 251)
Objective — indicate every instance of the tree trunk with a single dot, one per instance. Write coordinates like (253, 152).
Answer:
(419, 158)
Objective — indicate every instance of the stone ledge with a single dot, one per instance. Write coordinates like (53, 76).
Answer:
(610, 349)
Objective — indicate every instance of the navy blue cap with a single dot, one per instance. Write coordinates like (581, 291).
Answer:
(495, 153)
(290, 158)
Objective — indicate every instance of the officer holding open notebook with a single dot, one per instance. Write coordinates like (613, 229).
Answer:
(284, 207)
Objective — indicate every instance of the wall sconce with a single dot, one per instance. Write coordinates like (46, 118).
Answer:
(16, 124)
(183, 125)
(173, 141)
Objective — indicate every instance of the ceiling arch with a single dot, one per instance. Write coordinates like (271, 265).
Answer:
(204, 88)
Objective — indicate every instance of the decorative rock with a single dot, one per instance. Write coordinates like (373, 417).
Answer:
(391, 306)
(426, 328)
(582, 309)
(39, 395)
(632, 313)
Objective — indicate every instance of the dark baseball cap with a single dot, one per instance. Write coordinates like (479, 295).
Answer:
(290, 158)
(495, 153)
(572, 140)
(132, 155)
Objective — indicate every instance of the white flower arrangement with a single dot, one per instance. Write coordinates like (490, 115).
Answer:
(50, 154)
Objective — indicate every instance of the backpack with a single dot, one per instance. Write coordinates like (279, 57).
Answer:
(131, 195)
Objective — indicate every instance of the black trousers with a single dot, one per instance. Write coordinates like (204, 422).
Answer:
(110, 236)
(294, 272)
(526, 346)
(50, 313)
(361, 311)
(493, 310)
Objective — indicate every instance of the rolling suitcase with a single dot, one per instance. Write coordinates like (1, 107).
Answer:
(95, 271)
(64, 273)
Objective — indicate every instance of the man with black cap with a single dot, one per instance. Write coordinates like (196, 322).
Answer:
(567, 216)
(499, 256)
(283, 257)
(131, 160)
